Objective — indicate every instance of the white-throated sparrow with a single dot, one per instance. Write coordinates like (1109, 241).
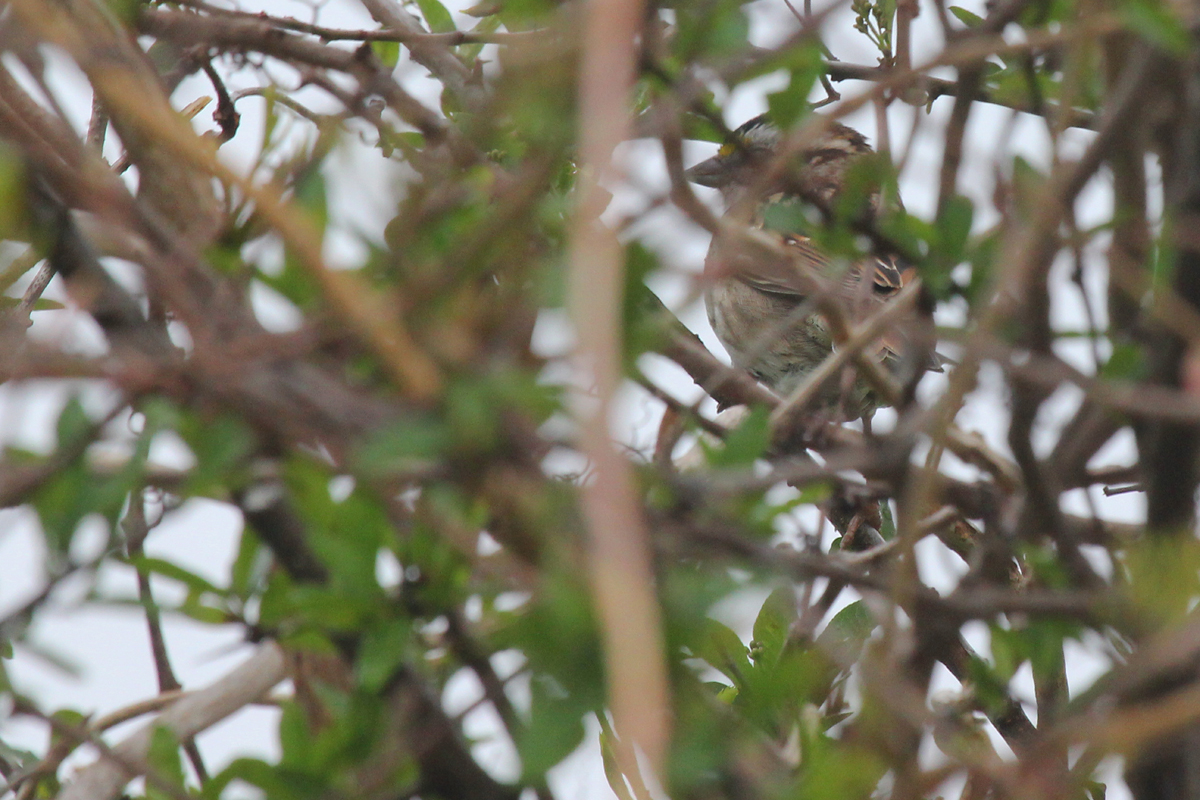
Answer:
(757, 306)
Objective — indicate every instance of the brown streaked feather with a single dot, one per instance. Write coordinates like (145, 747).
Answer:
(787, 279)
(888, 276)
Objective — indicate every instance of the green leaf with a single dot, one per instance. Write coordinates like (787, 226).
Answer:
(968, 18)
(1155, 22)
(711, 29)
(834, 771)
(167, 569)
(744, 444)
(787, 215)
(1045, 638)
(312, 195)
(953, 229)
(204, 613)
(436, 16)
(789, 105)
(346, 536)
(387, 52)
(411, 442)
(383, 649)
(41, 304)
(68, 718)
(772, 624)
(640, 308)
(221, 446)
(555, 728)
(21, 759)
(295, 739)
(848, 630)
(74, 425)
(990, 687)
(164, 757)
(888, 527)
(1008, 652)
(249, 569)
(249, 770)
(1163, 576)
(723, 650)
(124, 10)
(608, 755)
(469, 52)
(558, 635)
(13, 194)
(75, 492)
(1125, 362)
(473, 414)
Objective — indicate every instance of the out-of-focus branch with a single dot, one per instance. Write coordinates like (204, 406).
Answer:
(434, 56)
(250, 33)
(404, 35)
(196, 712)
(174, 190)
(619, 559)
(936, 87)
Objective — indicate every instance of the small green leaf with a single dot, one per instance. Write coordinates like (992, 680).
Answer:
(1008, 652)
(67, 718)
(848, 630)
(1046, 638)
(124, 10)
(164, 757)
(608, 755)
(713, 29)
(726, 694)
(194, 582)
(387, 52)
(1155, 22)
(723, 650)
(41, 304)
(383, 649)
(252, 771)
(746, 443)
(295, 739)
(772, 624)
(311, 194)
(555, 727)
(408, 442)
(888, 527)
(968, 18)
(436, 15)
(203, 613)
(220, 445)
(953, 229)
(13, 194)
(73, 423)
(1125, 362)
(1163, 576)
(249, 569)
(836, 771)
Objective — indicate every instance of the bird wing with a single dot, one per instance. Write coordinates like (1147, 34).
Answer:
(790, 279)
(888, 276)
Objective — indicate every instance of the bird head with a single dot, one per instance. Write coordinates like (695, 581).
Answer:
(751, 147)
(748, 148)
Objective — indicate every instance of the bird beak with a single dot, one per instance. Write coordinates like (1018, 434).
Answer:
(706, 173)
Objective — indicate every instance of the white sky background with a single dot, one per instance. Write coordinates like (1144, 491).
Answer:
(108, 645)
